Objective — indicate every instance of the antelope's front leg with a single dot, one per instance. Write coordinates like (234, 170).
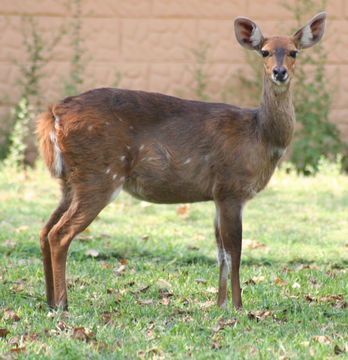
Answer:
(228, 229)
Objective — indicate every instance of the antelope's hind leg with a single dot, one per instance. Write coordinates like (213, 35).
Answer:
(87, 202)
(44, 243)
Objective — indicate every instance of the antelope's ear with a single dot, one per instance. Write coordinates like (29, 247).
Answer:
(311, 33)
(248, 34)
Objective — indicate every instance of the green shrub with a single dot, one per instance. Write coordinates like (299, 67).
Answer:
(38, 52)
(74, 83)
(23, 115)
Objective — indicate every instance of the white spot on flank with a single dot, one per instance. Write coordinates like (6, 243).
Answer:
(131, 127)
(187, 161)
(122, 179)
(122, 158)
(107, 123)
(90, 127)
(58, 159)
(114, 176)
(56, 121)
(115, 194)
(141, 147)
(128, 147)
(107, 170)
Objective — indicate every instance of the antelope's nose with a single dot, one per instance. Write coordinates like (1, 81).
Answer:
(280, 73)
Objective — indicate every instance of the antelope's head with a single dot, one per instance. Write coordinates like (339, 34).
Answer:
(279, 52)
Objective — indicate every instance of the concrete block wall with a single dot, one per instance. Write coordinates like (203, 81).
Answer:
(149, 43)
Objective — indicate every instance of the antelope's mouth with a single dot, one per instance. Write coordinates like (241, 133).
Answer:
(281, 80)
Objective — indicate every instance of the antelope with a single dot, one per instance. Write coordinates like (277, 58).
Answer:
(167, 150)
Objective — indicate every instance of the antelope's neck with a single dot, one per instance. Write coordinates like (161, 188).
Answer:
(276, 114)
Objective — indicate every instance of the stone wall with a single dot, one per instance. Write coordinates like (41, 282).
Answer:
(150, 42)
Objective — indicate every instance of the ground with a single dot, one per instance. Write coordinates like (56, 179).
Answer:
(143, 277)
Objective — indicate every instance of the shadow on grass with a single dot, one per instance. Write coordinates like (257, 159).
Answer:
(179, 255)
(157, 257)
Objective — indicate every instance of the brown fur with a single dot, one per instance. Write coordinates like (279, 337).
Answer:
(164, 149)
(45, 124)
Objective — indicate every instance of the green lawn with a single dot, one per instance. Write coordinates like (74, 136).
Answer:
(148, 288)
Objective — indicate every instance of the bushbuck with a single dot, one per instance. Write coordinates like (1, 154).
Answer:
(167, 150)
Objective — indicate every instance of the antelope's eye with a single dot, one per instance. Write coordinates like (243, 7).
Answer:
(293, 53)
(264, 53)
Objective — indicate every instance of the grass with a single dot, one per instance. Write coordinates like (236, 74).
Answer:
(149, 287)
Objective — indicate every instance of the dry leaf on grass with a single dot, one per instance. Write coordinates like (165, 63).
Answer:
(217, 343)
(183, 211)
(121, 270)
(150, 335)
(322, 339)
(107, 317)
(142, 288)
(212, 290)
(23, 177)
(92, 253)
(62, 326)
(145, 204)
(252, 244)
(84, 238)
(107, 266)
(254, 280)
(206, 304)
(30, 336)
(259, 315)
(222, 324)
(3, 333)
(22, 228)
(249, 282)
(153, 353)
(8, 243)
(165, 301)
(18, 288)
(334, 300)
(163, 283)
(192, 248)
(339, 351)
(10, 315)
(257, 279)
(187, 319)
(17, 349)
(164, 293)
(331, 298)
(201, 281)
(280, 282)
(306, 266)
(83, 334)
(145, 302)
